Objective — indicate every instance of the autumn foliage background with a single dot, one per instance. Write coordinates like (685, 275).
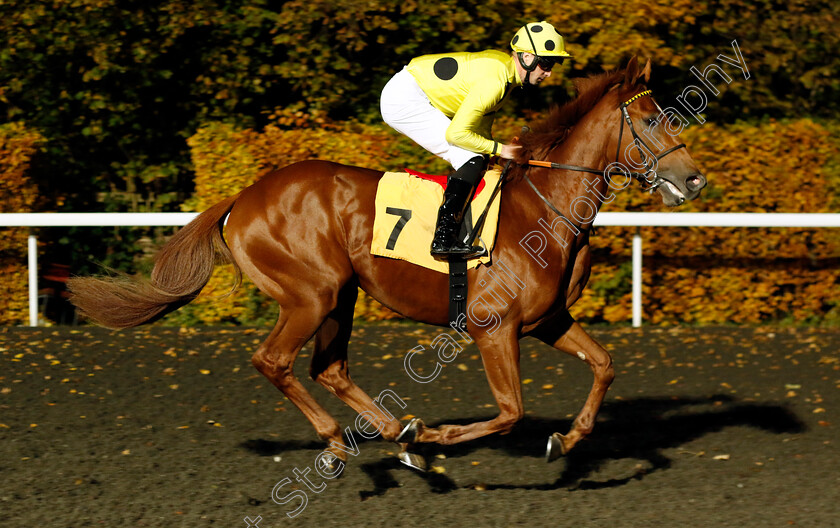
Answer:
(172, 105)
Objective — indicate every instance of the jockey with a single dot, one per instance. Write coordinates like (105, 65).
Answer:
(446, 103)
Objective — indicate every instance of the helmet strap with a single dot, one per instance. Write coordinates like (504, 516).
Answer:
(527, 67)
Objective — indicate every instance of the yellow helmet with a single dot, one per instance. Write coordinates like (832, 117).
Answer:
(541, 39)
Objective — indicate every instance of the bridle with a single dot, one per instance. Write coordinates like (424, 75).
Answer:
(649, 179)
(653, 181)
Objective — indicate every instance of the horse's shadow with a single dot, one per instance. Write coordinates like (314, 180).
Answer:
(636, 429)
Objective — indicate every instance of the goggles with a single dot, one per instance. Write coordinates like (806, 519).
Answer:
(546, 63)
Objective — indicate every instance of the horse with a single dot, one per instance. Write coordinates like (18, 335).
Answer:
(302, 234)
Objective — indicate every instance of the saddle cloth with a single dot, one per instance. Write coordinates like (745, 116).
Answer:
(406, 214)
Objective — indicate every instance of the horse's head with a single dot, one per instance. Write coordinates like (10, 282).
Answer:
(615, 123)
(648, 141)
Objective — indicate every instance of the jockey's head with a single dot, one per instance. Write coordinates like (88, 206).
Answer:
(538, 47)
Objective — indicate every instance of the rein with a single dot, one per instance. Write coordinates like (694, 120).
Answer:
(649, 179)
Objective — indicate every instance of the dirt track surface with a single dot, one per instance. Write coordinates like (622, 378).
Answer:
(711, 427)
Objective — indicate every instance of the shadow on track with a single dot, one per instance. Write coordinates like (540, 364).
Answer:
(636, 429)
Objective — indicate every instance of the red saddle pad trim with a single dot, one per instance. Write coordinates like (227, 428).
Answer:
(441, 180)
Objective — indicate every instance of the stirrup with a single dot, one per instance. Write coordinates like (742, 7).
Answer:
(460, 251)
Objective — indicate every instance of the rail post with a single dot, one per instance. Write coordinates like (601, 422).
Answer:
(32, 262)
(637, 278)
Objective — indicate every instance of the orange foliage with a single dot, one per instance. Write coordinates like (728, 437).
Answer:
(17, 195)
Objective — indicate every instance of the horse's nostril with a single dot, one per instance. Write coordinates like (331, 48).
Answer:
(695, 183)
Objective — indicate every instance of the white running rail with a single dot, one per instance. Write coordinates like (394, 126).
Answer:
(802, 220)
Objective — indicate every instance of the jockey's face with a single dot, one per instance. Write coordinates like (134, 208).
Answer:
(540, 75)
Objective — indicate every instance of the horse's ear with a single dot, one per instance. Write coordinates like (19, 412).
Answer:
(631, 73)
(646, 72)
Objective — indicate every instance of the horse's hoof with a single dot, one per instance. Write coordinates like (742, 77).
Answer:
(410, 432)
(413, 461)
(330, 464)
(555, 448)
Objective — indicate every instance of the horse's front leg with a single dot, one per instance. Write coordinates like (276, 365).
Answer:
(500, 355)
(566, 335)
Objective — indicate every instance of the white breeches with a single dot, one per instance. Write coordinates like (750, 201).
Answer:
(406, 109)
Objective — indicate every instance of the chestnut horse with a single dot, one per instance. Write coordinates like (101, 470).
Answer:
(303, 235)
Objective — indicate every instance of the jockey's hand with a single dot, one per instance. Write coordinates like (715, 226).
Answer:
(510, 151)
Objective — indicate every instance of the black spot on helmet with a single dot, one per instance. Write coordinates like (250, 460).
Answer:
(541, 39)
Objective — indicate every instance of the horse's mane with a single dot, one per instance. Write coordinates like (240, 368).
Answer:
(547, 133)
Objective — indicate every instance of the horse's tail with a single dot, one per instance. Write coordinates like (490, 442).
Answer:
(182, 268)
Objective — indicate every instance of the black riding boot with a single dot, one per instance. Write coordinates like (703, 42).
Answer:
(456, 199)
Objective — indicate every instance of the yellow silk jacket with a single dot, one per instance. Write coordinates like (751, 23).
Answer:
(469, 88)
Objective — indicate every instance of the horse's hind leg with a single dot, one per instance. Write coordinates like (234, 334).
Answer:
(275, 359)
(329, 366)
(566, 335)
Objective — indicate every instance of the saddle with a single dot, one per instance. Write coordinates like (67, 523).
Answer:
(406, 212)
(404, 224)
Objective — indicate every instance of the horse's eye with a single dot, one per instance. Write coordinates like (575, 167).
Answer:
(651, 121)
